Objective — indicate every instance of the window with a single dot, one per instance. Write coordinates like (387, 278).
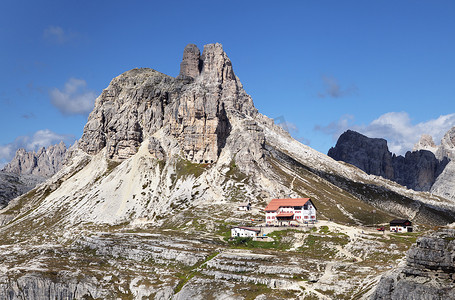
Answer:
(305, 207)
(306, 217)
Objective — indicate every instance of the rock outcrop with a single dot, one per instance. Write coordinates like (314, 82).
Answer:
(36, 287)
(195, 109)
(191, 64)
(417, 170)
(13, 185)
(369, 154)
(44, 163)
(447, 147)
(429, 272)
(425, 143)
(443, 185)
(27, 169)
(155, 145)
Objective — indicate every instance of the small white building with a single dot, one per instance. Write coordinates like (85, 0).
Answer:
(400, 226)
(244, 232)
(244, 206)
(286, 210)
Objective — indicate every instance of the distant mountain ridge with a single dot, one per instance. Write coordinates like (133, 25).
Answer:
(418, 170)
(45, 162)
(29, 168)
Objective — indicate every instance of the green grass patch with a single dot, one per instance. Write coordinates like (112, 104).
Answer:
(324, 229)
(186, 168)
(323, 246)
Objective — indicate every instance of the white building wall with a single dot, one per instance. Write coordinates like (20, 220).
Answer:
(270, 217)
(309, 214)
(300, 215)
(399, 228)
(242, 232)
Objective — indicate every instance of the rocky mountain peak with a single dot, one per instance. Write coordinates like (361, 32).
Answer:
(191, 113)
(191, 63)
(369, 154)
(416, 170)
(425, 143)
(213, 65)
(44, 163)
(216, 65)
(447, 147)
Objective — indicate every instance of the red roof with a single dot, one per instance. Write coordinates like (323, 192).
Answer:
(284, 215)
(277, 203)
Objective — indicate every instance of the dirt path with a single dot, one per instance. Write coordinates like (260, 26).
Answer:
(309, 289)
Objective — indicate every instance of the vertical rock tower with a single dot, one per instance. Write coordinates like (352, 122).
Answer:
(190, 114)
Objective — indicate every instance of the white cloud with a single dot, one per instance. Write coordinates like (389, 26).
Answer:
(74, 99)
(6, 154)
(395, 127)
(44, 138)
(41, 138)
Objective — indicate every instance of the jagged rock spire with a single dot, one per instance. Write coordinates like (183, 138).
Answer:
(425, 143)
(191, 65)
(44, 163)
(216, 65)
(447, 147)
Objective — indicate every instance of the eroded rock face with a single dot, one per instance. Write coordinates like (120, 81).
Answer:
(369, 154)
(429, 272)
(35, 287)
(190, 67)
(447, 147)
(13, 185)
(190, 114)
(444, 183)
(27, 169)
(44, 163)
(425, 143)
(417, 170)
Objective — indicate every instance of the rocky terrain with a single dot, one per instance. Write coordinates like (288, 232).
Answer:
(44, 163)
(143, 207)
(27, 169)
(13, 185)
(427, 273)
(417, 170)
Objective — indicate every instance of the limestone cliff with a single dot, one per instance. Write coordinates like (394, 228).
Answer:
(27, 169)
(426, 143)
(44, 163)
(195, 109)
(416, 170)
(429, 271)
(447, 147)
(13, 185)
(369, 154)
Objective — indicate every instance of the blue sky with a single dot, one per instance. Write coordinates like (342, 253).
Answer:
(384, 68)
